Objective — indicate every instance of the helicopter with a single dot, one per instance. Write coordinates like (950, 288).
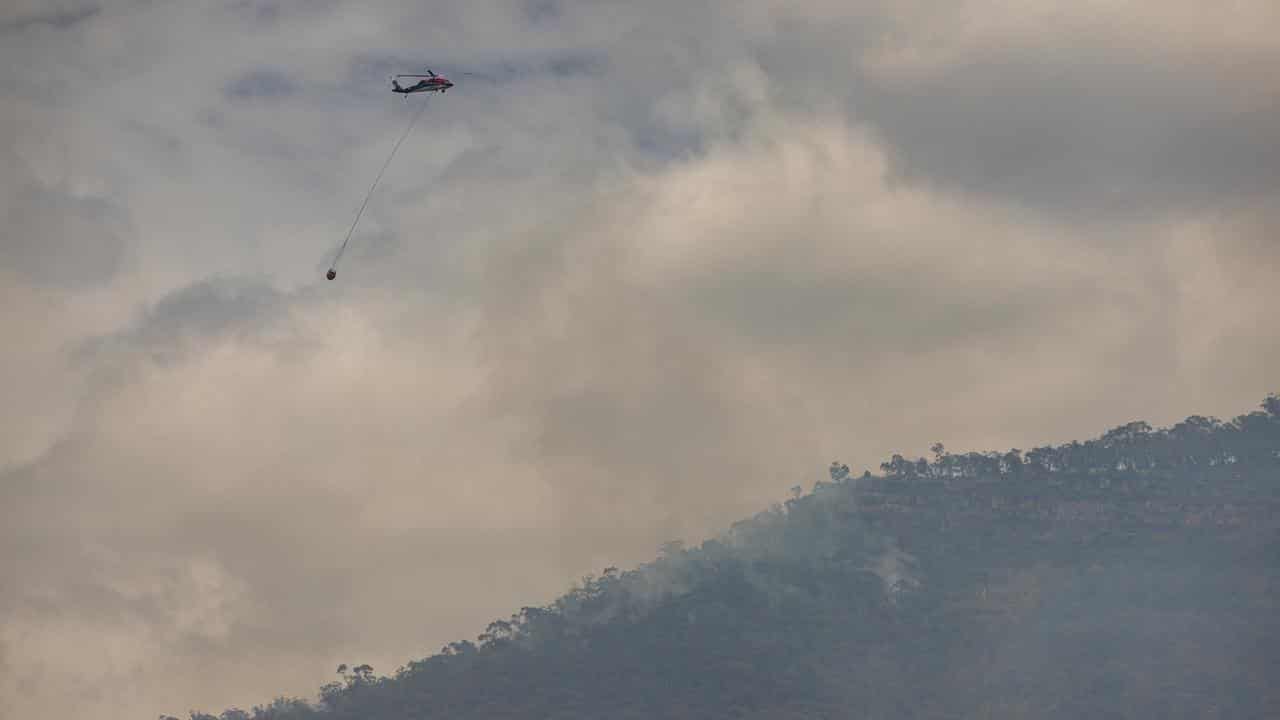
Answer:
(430, 82)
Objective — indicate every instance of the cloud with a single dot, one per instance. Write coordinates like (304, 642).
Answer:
(1104, 112)
(62, 239)
(1110, 135)
(25, 16)
(262, 83)
(674, 261)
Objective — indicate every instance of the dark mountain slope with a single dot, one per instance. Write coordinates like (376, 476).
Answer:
(1131, 576)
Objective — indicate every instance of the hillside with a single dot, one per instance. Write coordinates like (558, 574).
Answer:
(1133, 575)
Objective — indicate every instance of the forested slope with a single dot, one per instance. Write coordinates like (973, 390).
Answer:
(1133, 575)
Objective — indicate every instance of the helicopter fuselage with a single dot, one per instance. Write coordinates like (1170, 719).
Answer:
(434, 84)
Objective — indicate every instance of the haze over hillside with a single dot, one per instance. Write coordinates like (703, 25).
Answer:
(1135, 575)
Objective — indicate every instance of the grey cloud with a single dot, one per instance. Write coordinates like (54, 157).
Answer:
(61, 239)
(576, 64)
(207, 308)
(1077, 126)
(264, 83)
(259, 11)
(56, 19)
(274, 12)
(189, 318)
(543, 11)
(865, 314)
(1116, 135)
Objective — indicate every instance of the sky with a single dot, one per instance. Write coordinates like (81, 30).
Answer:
(651, 266)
